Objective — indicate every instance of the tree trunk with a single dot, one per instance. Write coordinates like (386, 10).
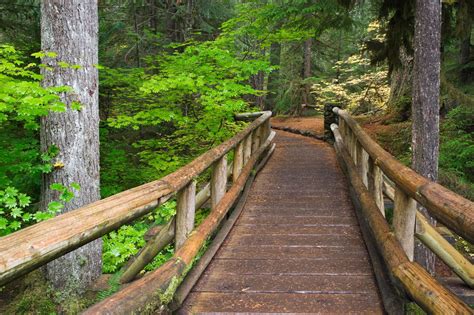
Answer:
(270, 100)
(464, 26)
(257, 81)
(70, 29)
(307, 70)
(425, 104)
(401, 83)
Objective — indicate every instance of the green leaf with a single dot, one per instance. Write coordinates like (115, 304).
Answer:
(66, 196)
(57, 186)
(76, 106)
(3, 223)
(55, 206)
(16, 212)
(15, 225)
(24, 200)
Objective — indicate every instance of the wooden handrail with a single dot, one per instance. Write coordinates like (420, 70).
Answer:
(424, 289)
(454, 211)
(38, 244)
(157, 287)
(432, 239)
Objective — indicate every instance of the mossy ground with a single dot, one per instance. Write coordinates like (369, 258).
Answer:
(32, 294)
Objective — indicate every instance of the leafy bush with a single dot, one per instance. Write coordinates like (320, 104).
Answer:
(124, 243)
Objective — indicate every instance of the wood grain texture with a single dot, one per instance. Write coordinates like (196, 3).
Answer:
(452, 210)
(36, 245)
(411, 277)
(296, 247)
(148, 293)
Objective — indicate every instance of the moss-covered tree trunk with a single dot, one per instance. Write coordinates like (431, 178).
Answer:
(70, 29)
(425, 103)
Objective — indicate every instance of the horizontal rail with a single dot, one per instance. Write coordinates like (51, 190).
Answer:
(424, 289)
(41, 243)
(454, 211)
(432, 239)
(157, 287)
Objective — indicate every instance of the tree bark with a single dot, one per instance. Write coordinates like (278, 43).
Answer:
(70, 29)
(307, 70)
(464, 26)
(425, 103)
(401, 83)
(270, 100)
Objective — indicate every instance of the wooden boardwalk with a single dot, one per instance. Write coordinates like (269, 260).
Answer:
(296, 248)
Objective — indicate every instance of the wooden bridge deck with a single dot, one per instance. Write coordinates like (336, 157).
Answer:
(296, 248)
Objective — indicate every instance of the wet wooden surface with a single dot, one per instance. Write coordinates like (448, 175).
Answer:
(296, 247)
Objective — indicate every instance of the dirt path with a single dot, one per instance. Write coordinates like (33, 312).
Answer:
(314, 124)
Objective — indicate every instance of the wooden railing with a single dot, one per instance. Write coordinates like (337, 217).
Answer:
(41, 243)
(373, 171)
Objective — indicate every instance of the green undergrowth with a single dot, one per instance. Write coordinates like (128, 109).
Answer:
(456, 159)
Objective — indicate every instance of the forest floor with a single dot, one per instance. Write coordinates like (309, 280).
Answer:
(314, 123)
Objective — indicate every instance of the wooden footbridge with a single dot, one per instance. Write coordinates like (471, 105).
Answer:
(308, 234)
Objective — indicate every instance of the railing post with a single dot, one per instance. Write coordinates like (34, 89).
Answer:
(375, 184)
(404, 218)
(256, 139)
(238, 160)
(329, 118)
(264, 131)
(185, 210)
(362, 163)
(354, 146)
(247, 147)
(342, 130)
(218, 181)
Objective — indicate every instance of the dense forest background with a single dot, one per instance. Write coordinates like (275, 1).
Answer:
(174, 72)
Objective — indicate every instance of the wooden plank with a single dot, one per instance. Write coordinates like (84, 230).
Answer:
(142, 294)
(290, 266)
(298, 212)
(307, 284)
(193, 276)
(297, 220)
(294, 240)
(350, 231)
(277, 251)
(304, 252)
(451, 209)
(209, 302)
